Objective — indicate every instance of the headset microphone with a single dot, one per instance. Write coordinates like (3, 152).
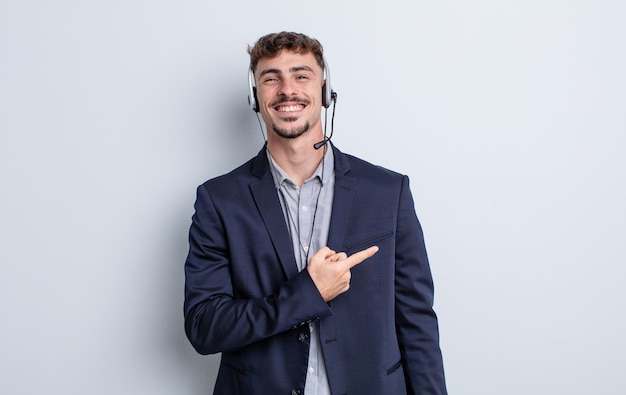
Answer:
(320, 144)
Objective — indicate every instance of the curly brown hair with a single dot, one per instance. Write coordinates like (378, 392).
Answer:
(272, 44)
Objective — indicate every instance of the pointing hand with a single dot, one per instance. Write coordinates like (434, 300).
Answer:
(330, 270)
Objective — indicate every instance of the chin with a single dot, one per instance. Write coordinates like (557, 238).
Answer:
(292, 131)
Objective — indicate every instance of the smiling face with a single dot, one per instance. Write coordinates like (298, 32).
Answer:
(289, 91)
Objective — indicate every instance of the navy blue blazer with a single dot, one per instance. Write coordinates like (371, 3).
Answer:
(245, 298)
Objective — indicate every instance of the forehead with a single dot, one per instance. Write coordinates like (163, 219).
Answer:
(286, 61)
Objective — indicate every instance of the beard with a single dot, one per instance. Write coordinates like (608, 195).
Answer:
(293, 132)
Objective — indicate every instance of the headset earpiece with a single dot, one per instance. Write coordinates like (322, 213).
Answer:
(327, 88)
(252, 99)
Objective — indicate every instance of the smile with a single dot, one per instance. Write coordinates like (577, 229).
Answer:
(289, 108)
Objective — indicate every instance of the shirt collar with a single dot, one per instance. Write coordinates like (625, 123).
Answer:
(324, 172)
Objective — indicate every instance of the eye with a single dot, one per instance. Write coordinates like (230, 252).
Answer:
(269, 80)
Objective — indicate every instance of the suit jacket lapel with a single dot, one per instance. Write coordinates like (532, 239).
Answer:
(342, 202)
(266, 199)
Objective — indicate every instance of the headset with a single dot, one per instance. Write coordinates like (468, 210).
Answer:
(328, 95)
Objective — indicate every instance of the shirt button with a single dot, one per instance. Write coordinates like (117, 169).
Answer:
(311, 370)
(304, 208)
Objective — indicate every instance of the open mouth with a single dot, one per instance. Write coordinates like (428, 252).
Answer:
(289, 107)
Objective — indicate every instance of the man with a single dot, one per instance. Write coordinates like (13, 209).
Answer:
(307, 268)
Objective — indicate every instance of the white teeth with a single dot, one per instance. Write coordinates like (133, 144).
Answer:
(288, 108)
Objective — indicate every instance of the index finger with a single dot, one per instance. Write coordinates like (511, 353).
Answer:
(360, 256)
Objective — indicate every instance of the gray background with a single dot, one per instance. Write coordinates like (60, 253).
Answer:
(509, 117)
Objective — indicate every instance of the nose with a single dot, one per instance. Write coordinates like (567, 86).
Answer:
(287, 88)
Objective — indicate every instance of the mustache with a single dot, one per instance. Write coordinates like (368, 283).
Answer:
(292, 100)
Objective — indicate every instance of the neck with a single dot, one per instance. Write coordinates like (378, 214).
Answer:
(297, 157)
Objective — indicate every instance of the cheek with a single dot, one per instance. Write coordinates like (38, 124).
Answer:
(263, 95)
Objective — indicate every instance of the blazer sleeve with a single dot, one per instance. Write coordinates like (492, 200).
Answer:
(417, 326)
(215, 319)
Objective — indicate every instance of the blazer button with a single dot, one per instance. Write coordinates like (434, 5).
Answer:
(296, 392)
(302, 337)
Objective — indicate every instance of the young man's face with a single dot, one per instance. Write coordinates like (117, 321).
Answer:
(289, 91)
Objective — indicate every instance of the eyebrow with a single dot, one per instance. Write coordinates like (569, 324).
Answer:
(292, 70)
